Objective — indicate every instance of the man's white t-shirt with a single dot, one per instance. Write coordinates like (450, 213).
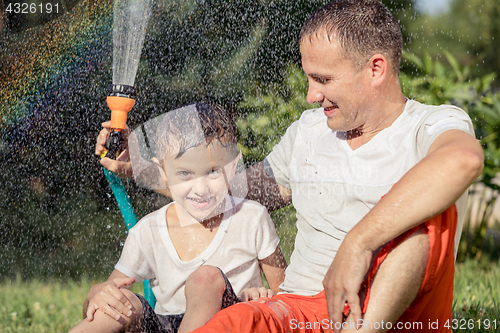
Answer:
(245, 236)
(334, 187)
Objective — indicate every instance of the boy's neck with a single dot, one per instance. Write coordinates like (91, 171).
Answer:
(179, 216)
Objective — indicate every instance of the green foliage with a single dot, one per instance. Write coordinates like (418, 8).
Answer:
(216, 50)
(267, 114)
(479, 21)
(430, 81)
(470, 30)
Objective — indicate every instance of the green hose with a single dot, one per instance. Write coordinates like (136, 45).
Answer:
(123, 201)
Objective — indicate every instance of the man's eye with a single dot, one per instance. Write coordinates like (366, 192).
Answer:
(322, 81)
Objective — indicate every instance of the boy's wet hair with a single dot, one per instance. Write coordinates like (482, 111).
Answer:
(195, 124)
(361, 27)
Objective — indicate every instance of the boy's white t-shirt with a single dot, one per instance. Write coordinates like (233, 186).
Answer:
(334, 187)
(245, 236)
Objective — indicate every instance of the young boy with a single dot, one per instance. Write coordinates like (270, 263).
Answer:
(198, 252)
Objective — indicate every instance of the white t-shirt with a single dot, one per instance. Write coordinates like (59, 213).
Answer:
(334, 187)
(245, 236)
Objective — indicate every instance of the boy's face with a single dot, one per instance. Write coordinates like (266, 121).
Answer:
(196, 179)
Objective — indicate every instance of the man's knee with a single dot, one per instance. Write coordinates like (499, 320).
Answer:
(206, 277)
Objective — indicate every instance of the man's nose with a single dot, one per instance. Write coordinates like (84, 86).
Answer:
(314, 93)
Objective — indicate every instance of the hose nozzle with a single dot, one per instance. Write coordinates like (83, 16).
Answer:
(120, 102)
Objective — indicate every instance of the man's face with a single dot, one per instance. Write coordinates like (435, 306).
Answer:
(335, 83)
(196, 179)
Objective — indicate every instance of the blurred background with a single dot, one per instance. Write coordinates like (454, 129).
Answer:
(58, 218)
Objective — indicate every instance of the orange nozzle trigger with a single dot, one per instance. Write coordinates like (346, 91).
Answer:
(119, 106)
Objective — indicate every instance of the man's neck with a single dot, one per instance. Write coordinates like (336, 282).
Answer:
(388, 115)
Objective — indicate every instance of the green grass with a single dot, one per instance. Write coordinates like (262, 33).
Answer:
(477, 296)
(56, 306)
(43, 307)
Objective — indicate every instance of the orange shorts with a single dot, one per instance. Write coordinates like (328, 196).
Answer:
(294, 313)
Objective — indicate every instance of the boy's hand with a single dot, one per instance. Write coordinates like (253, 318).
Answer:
(122, 166)
(108, 297)
(254, 293)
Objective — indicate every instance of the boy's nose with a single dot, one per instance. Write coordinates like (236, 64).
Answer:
(200, 186)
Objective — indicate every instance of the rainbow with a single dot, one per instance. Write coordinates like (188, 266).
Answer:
(42, 63)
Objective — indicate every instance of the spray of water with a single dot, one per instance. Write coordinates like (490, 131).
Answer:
(129, 28)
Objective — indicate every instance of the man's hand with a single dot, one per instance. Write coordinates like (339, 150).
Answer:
(254, 293)
(122, 166)
(343, 280)
(108, 297)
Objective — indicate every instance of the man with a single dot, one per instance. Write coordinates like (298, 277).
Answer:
(365, 142)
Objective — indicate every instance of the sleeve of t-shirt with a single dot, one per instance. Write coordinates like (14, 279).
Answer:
(267, 239)
(279, 158)
(440, 120)
(133, 260)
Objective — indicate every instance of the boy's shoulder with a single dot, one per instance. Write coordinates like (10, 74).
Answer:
(244, 209)
(156, 217)
(242, 204)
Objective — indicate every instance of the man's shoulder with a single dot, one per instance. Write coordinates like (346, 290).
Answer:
(420, 110)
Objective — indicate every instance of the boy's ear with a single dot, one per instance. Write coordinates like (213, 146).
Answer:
(160, 169)
(231, 167)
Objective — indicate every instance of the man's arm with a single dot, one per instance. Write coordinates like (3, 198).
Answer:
(265, 190)
(453, 162)
(108, 297)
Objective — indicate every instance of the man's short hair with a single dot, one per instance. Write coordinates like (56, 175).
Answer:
(362, 28)
(180, 131)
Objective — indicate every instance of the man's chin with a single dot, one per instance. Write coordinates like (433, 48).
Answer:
(333, 124)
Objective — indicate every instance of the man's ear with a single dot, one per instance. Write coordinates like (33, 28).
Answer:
(379, 69)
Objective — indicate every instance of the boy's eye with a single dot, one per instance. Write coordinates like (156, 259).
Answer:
(215, 173)
(183, 173)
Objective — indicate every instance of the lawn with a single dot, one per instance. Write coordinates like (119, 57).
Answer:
(56, 306)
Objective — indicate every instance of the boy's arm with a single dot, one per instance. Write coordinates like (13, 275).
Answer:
(108, 297)
(274, 271)
(122, 165)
